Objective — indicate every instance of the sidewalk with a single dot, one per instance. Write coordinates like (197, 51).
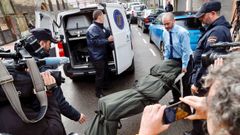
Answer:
(8, 46)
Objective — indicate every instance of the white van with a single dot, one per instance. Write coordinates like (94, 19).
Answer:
(72, 26)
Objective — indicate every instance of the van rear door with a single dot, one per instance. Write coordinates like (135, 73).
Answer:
(122, 36)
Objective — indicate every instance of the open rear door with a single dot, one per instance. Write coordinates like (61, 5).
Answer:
(122, 36)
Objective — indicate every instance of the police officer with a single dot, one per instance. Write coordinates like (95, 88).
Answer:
(98, 41)
(217, 29)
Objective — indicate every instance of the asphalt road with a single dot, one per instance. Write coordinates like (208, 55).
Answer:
(81, 93)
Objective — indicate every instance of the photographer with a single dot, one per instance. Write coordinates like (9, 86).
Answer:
(217, 30)
(220, 108)
(44, 38)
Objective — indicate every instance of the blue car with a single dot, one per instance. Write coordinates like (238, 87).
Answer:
(185, 19)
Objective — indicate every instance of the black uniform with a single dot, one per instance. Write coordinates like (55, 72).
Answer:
(98, 48)
(218, 31)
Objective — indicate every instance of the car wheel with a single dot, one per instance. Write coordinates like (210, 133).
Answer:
(144, 30)
(131, 69)
(150, 38)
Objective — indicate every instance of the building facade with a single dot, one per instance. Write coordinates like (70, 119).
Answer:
(190, 5)
(15, 15)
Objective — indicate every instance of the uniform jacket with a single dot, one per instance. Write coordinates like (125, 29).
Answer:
(218, 31)
(97, 41)
(65, 108)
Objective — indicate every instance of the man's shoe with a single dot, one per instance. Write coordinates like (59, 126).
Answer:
(99, 94)
(187, 133)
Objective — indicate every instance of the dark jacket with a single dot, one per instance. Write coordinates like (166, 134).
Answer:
(169, 7)
(218, 31)
(97, 41)
(51, 124)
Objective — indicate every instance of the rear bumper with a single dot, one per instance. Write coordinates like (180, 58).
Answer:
(72, 73)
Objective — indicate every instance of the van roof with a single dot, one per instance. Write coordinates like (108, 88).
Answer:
(87, 8)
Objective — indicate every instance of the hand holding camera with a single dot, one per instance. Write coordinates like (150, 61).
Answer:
(151, 123)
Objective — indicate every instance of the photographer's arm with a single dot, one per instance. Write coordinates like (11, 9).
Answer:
(65, 108)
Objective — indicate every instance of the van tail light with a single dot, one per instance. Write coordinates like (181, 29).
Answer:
(60, 47)
(146, 20)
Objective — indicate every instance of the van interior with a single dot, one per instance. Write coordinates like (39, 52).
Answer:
(76, 26)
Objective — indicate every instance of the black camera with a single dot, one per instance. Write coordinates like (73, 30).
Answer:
(218, 50)
(32, 46)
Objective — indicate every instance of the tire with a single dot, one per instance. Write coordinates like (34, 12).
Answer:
(144, 30)
(150, 38)
(131, 69)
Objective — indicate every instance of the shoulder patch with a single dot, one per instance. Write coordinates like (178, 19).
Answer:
(212, 39)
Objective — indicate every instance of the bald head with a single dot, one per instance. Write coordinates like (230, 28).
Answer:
(168, 20)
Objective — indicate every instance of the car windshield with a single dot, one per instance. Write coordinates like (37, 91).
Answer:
(137, 8)
(189, 23)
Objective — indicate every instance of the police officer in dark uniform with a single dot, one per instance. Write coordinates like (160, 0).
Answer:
(217, 29)
(98, 41)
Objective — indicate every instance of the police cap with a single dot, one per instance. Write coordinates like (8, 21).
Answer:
(43, 34)
(208, 7)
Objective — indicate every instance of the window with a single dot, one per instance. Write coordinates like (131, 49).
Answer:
(189, 23)
(58, 5)
(50, 5)
(7, 8)
(63, 4)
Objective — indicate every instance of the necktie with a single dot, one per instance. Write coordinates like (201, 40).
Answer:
(171, 45)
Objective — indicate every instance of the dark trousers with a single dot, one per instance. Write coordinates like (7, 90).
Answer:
(101, 78)
(186, 83)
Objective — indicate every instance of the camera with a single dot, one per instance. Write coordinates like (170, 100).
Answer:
(32, 46)
(218, 50)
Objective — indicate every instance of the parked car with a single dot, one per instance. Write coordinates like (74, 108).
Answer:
(129, 7)
(148, 15)
(135, 12)
(72, 28)
(185, 19)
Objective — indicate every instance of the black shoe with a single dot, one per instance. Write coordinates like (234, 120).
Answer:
(99, 94)
(187, 133)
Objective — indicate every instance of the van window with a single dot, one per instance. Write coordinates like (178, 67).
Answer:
(189, 23)
(77, 25)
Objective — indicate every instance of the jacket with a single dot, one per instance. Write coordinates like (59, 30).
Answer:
(97, 41)
(218, 31)
(51, 124)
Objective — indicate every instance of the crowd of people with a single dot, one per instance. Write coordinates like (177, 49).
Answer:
(216, 101)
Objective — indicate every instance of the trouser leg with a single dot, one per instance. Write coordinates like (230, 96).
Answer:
(100, 78)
